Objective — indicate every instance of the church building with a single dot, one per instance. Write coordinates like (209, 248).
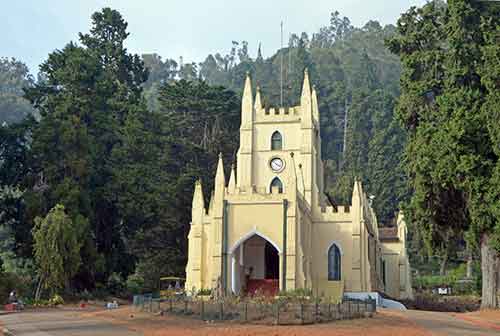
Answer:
(271, 227)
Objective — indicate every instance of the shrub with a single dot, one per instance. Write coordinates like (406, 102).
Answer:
(10, 281)
(204, 291)
(115, 284)
(56, 300)
(135, 284)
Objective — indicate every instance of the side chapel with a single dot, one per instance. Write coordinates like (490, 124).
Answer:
(271, 227)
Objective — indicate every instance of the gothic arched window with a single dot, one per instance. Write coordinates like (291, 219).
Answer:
(334, 263)
(276, 141)
(276, 182)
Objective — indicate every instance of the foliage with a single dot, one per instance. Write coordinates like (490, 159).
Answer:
(14, 78)
(11, 281)
(56, 300)
(57, 244)
(88, 91)
(297, 293)
(451, 156)
(204, 291)
(115, 284)
(135, 284)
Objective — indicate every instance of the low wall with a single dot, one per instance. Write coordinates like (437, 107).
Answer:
(277, 312)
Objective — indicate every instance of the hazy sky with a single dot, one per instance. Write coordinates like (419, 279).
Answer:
(31, 29)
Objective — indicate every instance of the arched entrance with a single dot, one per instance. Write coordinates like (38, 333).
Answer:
(255, 266)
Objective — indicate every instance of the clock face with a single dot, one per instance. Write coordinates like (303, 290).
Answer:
(277, 164)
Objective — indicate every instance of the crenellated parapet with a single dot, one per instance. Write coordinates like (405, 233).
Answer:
(338, 213)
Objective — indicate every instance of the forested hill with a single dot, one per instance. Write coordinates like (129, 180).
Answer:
(355, 76)
(118, 141)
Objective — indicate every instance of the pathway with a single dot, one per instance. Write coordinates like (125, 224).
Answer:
(57, 322)
(446, 324)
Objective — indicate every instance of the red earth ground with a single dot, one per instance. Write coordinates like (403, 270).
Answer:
(485, 318)
(384, 323)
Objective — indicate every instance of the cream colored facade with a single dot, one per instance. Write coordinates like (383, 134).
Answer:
(293, 235)
(395, 271)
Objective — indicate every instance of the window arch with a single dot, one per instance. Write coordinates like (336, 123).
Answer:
(334, 263)
(276, 141)
(276, 182)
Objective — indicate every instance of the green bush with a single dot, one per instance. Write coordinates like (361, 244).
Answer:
(10, 281)
(205, 291)
(297, 293)
(135, 284)
(454, 279)
(56, 300)
(115, 284)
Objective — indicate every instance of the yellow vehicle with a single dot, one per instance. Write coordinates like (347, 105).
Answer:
(171, 286)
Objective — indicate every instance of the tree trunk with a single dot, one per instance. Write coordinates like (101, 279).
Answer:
(490, 268)
(38, 291)
(469, 267)
(442, 268)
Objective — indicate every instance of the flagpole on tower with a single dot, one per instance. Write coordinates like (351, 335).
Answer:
(281, 67)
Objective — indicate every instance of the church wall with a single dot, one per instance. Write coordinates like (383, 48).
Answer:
(265, 218)
(398, 284)
(391, 274)
(289, 131)
(263, 174)
(324, 235)
(206, 249)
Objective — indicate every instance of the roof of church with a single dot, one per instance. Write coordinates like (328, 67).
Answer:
(388, 233)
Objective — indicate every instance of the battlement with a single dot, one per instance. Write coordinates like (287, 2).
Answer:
(340, 213)
(336, 209)
(294, 110)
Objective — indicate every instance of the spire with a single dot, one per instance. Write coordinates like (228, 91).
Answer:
(258, 103)
(357, 191)
(232, 181)
(315, 109)
(305, 100)
(306, 88)
(198, 205)
(220, 179)
(198, 196)
(247, 104)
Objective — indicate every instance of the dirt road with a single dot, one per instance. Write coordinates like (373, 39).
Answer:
(450, 324)
(57, 322)
(128, 322)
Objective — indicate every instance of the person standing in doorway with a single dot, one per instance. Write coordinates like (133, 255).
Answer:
(248, 276)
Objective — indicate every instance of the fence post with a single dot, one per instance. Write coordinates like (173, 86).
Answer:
(301, 313)
(221, 311)
(329, 310)
(171, 304)
(277, 313)
(246, 311)
(185, 306)
(202, 310)
(316, 311)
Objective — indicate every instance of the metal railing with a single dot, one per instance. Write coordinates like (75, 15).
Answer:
(278, 312)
